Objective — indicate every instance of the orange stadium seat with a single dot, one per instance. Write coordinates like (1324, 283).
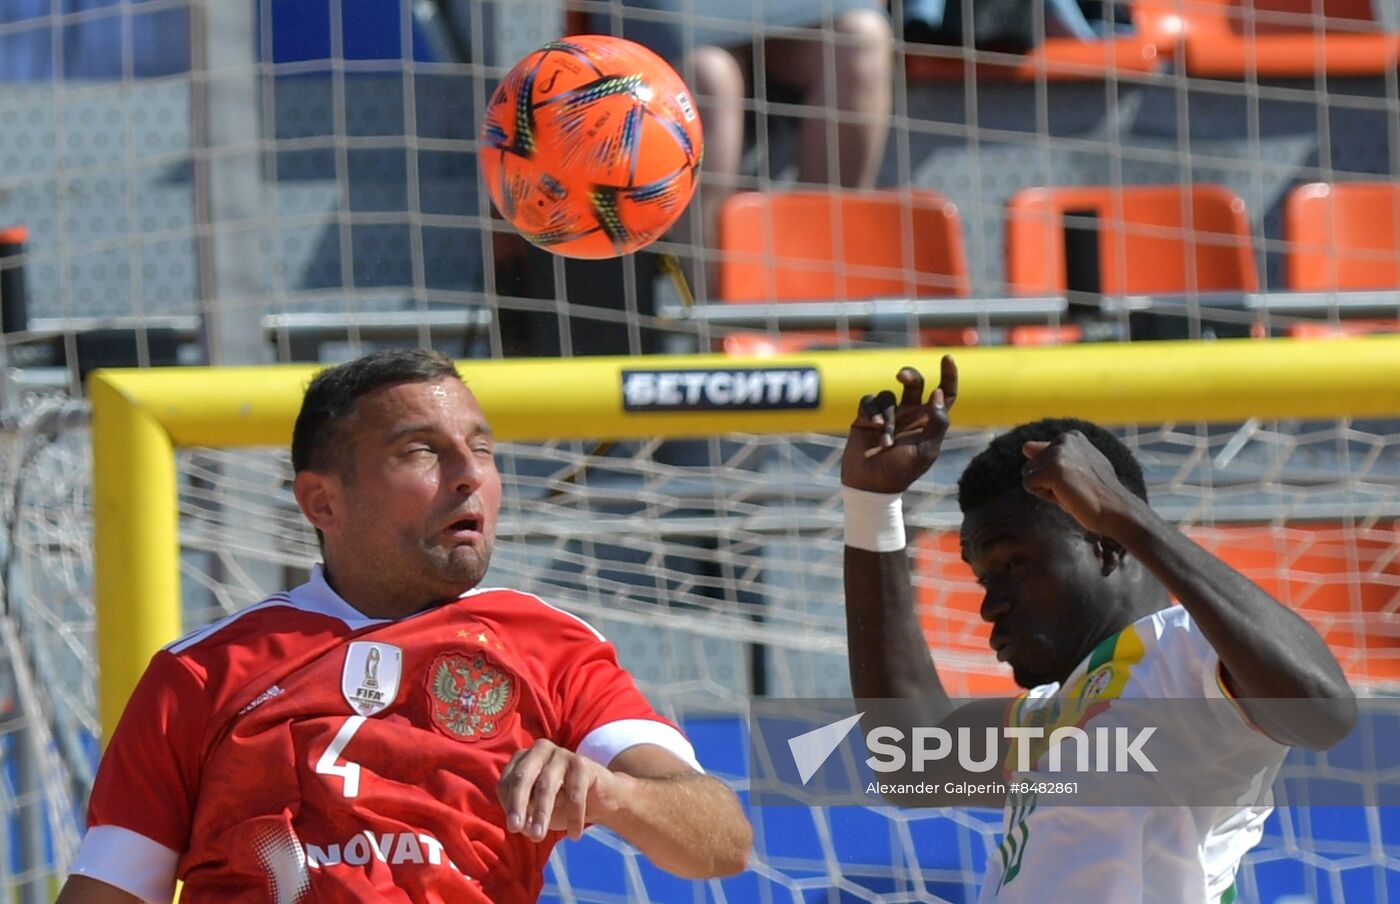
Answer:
(1343, 580)
(1341, 330)
(1343, 236)
(1279, 38)
(1148, 48)
(832, 245)
(948, 601)
(1150, 238)
(766, 345)
(1032, 335)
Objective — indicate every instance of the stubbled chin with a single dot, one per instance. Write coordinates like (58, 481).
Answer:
(465, 562)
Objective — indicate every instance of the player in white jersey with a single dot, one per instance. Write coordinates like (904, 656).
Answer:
(1080, 576)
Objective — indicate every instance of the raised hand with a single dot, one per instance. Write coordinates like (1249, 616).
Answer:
(1070, 472)
(892, 444)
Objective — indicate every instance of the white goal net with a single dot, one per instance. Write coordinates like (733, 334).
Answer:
(249, 181)
(715, 567)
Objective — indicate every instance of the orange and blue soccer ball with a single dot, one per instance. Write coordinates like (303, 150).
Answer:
(591, 146)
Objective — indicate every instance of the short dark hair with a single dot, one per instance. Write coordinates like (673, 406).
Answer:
(317, 440)
(996, 470)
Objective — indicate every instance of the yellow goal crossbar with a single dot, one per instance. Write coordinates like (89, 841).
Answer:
(140, 416)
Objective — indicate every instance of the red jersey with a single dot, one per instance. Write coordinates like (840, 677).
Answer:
(300, 751)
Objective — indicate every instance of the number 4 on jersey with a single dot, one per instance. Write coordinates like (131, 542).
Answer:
(350, 772)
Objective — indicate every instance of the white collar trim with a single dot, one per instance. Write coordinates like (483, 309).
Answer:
(317, 595)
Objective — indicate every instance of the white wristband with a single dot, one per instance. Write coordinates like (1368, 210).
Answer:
(874, 521)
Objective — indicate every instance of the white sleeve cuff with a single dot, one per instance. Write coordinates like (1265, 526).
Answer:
(128, 861)
(874, 521)
(606, 741)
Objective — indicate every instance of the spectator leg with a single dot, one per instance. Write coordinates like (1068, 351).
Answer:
(718, 82)
(859, 51)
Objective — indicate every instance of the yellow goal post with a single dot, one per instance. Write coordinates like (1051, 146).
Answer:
(140, 417)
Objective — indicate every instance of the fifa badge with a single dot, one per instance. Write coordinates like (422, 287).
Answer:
(370, 680)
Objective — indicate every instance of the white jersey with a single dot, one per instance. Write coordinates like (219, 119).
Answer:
(1156, 855)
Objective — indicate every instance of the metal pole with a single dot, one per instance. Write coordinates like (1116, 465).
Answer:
(29, 793)
(229, 194)
(27, 850)
(14, 301)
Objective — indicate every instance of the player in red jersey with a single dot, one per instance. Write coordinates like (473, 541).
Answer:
(391, 731)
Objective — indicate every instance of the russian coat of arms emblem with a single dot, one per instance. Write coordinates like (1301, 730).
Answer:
(471, 695)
